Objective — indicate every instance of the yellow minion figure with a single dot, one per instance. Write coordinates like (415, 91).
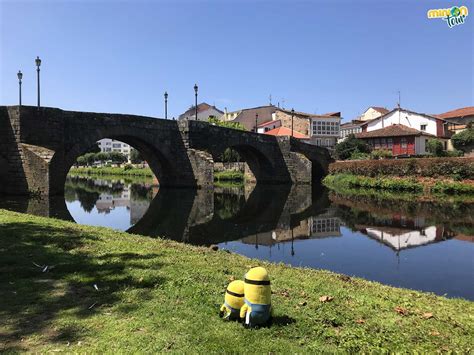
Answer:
(233, 301)
(257, 308)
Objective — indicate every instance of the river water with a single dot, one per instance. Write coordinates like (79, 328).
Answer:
(426, 247)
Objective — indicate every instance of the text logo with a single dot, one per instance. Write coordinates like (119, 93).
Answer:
(453, 16)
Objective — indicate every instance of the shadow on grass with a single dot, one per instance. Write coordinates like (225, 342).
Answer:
(76, 281)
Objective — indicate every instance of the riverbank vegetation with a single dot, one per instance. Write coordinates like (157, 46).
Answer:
(454, 168)
(349, 182)
(127, 170)
(83, 289)
(229, 176)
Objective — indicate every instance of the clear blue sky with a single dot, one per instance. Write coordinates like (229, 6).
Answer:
(319, 56)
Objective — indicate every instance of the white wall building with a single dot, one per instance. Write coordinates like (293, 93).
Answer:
(419, 121)
(108, 145)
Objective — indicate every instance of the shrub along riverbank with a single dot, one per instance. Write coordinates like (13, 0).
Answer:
(428, 175)
(74, 288)
(454, 168)
(219, 177)
(341, 182)
(125, 171)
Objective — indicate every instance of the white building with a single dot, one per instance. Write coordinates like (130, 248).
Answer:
(108, 145)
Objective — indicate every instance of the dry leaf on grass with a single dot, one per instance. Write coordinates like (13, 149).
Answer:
(304, 303)
(401, 311)
(428, 315)
(360, 321)
(325, 298)
(435, 333)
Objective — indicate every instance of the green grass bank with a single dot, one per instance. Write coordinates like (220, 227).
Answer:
(344, 182)
(99, 171)
(108, 291)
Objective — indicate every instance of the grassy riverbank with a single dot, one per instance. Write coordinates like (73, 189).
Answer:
(117, 171)
(229, 176)
(346, 182)
(110, 291)
(221, 177)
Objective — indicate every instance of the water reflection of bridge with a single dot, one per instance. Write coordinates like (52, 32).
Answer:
(257, 215)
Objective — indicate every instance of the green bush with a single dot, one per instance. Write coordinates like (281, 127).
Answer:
(381, 154)
(435, 147)
(464, 140)
(426, 167)
(356, 155)
(351, 145)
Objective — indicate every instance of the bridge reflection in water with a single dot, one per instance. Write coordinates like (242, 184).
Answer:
(421, 246)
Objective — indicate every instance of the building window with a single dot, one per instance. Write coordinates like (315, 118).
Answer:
(389, 143)
(325, 128)
(423, 127)
(376, 143)
(426, 145)
(116, 145)
(403, 142)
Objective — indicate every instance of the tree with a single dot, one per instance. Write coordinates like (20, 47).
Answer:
(464, 140)
(349, 146)
(435, 147)
(230, 156)
(117, 157)
(136, 157)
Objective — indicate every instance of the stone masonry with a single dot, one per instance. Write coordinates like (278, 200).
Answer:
(38, 147)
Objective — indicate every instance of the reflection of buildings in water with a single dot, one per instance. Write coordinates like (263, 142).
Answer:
(398, 238)
(324, 225)
(107, 202)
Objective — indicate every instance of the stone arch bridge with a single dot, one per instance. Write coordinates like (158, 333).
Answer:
(39, 146)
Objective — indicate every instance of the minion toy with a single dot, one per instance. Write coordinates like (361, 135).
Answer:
(257, 308)
(233, 301)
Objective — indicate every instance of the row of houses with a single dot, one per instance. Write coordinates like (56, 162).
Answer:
(402, 131)
(406, 132)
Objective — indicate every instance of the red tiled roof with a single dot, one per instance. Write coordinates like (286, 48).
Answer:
(460, 112)
(283, 131)
(267, 123)
(396, 130)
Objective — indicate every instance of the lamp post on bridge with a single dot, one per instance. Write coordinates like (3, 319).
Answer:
(195, 102)
(38, 64)
(292, 114)
(20, 76)
(256, 122)
(166, 105)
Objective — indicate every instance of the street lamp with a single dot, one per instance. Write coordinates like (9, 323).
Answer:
(20, 76)
(166, 105)
(38, 64)
(256, 122)
(292, 114)
(195, 102)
